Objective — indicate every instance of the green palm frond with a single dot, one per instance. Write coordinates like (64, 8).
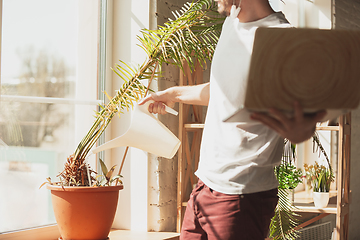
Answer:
(193, 34)
(130, 92)
(285, 220)
(283, 224)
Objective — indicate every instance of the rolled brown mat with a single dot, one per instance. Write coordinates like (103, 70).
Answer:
(318, 68)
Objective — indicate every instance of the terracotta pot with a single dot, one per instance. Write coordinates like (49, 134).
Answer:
(321, 199)
(84, 212)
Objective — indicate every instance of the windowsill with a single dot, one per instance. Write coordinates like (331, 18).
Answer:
(52, 233)
(134, 235)
(304, 202)
(304, 197)
(41, 233)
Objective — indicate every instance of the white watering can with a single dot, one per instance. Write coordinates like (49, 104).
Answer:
(146, 133)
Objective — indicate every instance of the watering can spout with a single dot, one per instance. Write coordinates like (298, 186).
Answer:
(146, 133)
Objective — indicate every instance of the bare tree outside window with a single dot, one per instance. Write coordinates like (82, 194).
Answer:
(42, 75)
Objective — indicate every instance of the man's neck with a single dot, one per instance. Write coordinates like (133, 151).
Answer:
(253, 10)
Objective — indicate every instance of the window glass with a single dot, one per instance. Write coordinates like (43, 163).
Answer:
(48, 96)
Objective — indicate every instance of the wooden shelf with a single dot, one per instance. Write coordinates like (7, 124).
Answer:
(310, 208)
(328, 128)
(321, 128)
(201, 125)
(306, 205)
(193, 125)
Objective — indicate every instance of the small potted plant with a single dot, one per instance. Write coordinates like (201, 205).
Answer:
(286, 173)
(319, 178)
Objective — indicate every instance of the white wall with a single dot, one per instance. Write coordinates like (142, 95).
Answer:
(304, 13)
(140, 201)
(125, 19)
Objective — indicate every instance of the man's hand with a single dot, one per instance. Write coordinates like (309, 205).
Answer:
(160, 99)
(194, 95)
(297, 128)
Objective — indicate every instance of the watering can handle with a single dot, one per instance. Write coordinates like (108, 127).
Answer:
(170, 110)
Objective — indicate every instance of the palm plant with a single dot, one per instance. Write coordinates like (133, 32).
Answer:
(192, 35)
(285, 220)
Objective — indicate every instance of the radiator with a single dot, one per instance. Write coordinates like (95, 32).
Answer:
(321, 231)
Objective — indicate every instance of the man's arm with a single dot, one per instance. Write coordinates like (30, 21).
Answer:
(297, 128)
(196, 95)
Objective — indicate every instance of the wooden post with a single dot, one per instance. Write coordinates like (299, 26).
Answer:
(188, 153)
(343, 184)
(180, 159)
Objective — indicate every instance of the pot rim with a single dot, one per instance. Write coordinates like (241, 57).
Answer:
(84, 188)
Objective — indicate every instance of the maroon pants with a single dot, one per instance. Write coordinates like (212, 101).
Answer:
(217, 216)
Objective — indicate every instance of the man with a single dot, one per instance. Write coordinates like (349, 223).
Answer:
(236, 194)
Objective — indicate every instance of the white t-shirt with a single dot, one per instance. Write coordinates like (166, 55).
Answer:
(237, 158)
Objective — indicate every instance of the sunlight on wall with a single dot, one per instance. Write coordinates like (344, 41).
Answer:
(305, 13)
(318, 14)
(128, 17)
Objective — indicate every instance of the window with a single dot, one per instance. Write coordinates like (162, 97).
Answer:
(309, 152)
(49, 89)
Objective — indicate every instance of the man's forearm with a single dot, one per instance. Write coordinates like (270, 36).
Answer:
(195, 95)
